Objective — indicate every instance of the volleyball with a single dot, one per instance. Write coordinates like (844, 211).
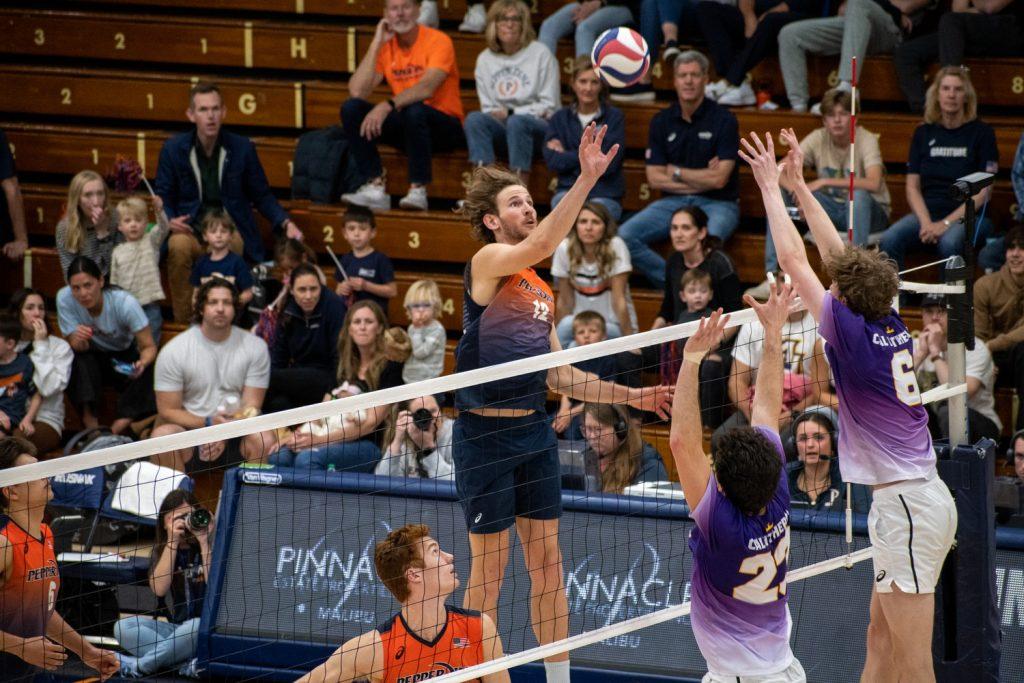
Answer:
(620, 57)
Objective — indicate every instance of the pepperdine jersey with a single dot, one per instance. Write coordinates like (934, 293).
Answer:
(516, 324)
(884, 427)
(739, 614)
(408, 658)
(29, 590)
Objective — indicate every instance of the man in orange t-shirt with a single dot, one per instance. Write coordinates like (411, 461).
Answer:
(423, 115)
(426, 638)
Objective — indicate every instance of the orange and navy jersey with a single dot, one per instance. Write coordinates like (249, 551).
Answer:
(30, 587)
(516, 324)
(409, 659)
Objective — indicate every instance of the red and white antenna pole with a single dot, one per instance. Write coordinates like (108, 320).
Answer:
(853, 138)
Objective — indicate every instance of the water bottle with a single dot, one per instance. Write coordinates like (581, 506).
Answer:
(229, 405)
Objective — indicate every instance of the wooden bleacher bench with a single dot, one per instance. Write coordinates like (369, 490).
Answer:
(250, 42)
(65, 150)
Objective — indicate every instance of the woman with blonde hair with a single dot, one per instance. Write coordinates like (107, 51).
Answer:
(518, 87)
(951, 143)
(353, 441)
(622, 457)
(89, 226)
(592, 268)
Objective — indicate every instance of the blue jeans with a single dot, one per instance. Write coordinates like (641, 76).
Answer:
(613, 205)
(419, 130)
(346, 456)
(993, 255)
(560, 24)
(652, 225)
(869, 217)
(521, 135)
(565, 336)
(156, 320)
(159, 645)
(654, 13)
(904, 235)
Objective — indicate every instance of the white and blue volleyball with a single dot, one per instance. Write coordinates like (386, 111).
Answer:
(620, 57)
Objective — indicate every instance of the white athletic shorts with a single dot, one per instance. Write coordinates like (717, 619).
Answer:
(911, 525)
(794, 673)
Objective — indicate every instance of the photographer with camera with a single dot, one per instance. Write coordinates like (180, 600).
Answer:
(419, 441)
(178, 569)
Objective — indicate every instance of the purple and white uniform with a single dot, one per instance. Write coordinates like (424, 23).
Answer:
(739, 613)
(884, 436)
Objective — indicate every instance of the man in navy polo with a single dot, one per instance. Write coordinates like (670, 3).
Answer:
(691, 157)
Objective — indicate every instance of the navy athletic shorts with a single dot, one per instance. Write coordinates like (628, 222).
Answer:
(506, 467)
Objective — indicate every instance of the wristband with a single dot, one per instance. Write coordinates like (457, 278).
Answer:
(694, 357)
(209, 421)
(394, 107)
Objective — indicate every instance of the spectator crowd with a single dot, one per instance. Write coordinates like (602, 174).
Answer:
(193, 245)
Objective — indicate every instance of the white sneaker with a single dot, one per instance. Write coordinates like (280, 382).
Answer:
(761, 292)
(713, 91)
(428, 14)
(738, 96)
(816, 109)
(371, 195)
(416, 199)
(475, 20)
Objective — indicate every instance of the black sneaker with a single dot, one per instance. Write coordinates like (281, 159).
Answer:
(638, 92)
(669, 51)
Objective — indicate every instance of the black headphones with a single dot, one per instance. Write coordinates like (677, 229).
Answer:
(833, 433)
(621, 425)
(1019, 434)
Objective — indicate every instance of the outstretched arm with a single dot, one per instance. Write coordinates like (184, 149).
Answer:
(355, 659)
(824, 231)
(792, 254)
(768, 389)
(498, 260)
(686, 435)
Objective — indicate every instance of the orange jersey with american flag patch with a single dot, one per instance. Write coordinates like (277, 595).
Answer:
(409, 659)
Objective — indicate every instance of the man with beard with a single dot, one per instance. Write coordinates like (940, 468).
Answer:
(212, 373)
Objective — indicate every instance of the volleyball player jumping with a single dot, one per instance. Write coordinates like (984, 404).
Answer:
(740, 537)
(884, 439)
(505, 451)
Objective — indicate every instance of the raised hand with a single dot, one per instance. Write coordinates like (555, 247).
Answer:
(761, 158)
(774, 312)
(793, 165)
(594, 162)
(708, 335)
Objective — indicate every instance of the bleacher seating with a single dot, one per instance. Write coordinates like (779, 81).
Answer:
(94, 81)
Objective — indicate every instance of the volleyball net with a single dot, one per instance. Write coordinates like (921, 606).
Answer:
(261, 543)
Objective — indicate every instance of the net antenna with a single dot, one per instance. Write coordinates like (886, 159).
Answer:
(849, 237)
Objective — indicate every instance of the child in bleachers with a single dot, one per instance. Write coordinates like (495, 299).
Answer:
(135, 263)
(219, 260)
(368, 272)
(423, 305)
(695, 292)
(588, 327)
(288, 254)
(19, 401)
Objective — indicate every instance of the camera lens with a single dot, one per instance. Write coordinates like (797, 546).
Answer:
(199, 519)
(422, 419)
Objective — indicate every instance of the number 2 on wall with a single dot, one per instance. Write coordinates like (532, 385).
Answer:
(764, 567)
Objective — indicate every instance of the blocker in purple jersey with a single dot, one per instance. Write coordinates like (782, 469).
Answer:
(739, 613)
(884, 435)
(620, 57)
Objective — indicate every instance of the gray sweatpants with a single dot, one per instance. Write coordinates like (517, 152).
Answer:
(865, 29)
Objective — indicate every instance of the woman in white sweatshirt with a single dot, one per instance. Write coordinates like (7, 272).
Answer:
(517, 83)
(52, 358)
